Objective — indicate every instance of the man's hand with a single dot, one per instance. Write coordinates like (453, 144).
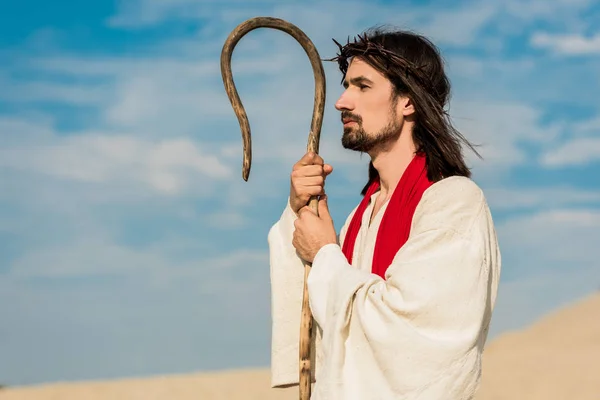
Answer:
(312, 231)
(307, 180)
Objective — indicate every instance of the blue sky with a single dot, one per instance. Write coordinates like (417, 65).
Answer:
(129, 243)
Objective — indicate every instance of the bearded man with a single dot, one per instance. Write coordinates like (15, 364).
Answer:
(403, 297)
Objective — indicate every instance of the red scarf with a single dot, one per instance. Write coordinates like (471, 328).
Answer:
(395, 225)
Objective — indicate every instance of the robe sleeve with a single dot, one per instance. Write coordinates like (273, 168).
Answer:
(287, 284)
(429, 312)
(287, 281)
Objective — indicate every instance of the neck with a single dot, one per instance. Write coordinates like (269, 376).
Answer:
(391, 162)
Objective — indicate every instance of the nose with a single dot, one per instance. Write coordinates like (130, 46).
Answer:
(344, 103)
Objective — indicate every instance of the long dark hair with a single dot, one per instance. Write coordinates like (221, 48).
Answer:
(415, 67)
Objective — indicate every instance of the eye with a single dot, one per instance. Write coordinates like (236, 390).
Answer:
(363, 87)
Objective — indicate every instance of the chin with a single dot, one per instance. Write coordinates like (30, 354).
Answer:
(355, 145)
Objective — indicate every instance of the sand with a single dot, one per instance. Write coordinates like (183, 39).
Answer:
(557, 358)
(228, 385)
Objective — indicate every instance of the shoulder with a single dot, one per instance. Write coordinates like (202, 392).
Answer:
(454, 190)
(454, 203)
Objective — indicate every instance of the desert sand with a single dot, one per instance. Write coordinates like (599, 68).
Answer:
(557, 358)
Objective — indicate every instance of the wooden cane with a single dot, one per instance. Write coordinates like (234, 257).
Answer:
(306, 324)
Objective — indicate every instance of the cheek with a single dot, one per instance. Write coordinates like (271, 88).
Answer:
(377, 117)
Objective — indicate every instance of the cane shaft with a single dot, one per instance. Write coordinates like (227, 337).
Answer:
(306, 320)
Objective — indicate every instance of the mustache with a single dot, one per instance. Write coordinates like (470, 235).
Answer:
(348, 115)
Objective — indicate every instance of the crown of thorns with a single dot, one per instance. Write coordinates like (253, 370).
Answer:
(363, 46)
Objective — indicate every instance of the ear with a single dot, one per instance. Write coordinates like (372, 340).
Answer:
(407, 107)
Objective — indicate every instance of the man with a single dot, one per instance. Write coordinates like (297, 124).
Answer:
(403, 298)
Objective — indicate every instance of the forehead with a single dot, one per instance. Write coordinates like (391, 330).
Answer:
(358, 67)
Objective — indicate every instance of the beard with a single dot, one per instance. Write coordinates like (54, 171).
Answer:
(357, 139)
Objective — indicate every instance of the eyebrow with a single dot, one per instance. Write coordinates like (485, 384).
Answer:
(357, 80)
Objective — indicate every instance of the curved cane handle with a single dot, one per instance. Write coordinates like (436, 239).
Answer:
(319, 75)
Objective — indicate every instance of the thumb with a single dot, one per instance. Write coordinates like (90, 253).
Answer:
(323, 207)
(328, 169)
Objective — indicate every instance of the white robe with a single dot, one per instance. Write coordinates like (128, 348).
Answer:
(420, 333)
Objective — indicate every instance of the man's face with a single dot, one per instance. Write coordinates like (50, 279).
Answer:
(369, 112)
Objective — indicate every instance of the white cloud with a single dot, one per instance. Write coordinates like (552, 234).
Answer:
(227, 220)
(500, 129)
(167, 126)
(159, 96)
(553, 10)
(175, 96)
(465, 21)
(107, 66)
(86, 257)
(590, 126)
(567, 44)
(168, 166)
(136, 13)
(558, 239)
(357, 16)
(458, 25)
(101, 256)
(29, 130)
(79, 94)
(526, 198)
(578, 151)
(96, 291)
(475, 69)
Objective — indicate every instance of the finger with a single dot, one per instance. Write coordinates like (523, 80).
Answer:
(307, 170)
(317, 180)
(310, 158)
(311, 191)
(318, 160)
(302, 212)
(327, 169)
(306, 209)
